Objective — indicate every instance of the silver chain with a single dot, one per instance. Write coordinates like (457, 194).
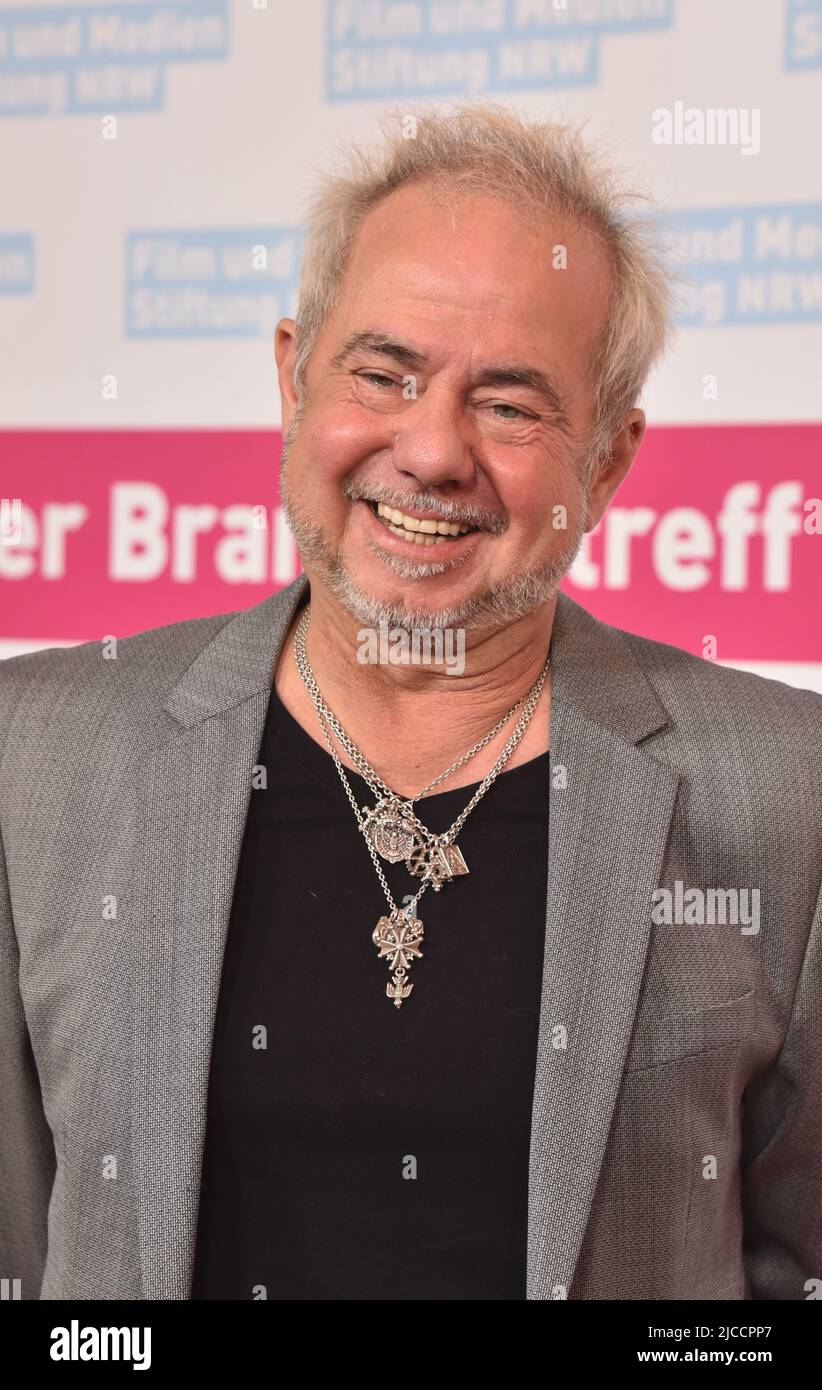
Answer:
(375, 783)
(370, 775)
(361, 822)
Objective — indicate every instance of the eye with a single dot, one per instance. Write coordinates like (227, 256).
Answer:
(503, 405)
(378, 377)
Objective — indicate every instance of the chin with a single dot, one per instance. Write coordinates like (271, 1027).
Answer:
(417, 604)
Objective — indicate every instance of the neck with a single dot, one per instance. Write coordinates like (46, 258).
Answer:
(412, 720)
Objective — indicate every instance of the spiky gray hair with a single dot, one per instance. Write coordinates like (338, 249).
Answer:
(539, 169)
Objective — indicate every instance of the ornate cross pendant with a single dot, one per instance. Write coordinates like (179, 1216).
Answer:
(397, 939)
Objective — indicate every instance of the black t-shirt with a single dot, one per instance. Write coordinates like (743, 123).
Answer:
(367, 1151)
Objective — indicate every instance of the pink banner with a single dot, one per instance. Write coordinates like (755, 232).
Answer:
(714, 535)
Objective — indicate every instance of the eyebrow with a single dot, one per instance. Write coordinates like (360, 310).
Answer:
(504, 374)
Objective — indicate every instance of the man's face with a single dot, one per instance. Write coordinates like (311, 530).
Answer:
(411, 401)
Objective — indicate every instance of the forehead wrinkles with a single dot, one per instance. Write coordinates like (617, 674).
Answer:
(572, 322)
(414, 277)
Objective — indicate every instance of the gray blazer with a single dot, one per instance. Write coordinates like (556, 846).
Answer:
(676, 1141)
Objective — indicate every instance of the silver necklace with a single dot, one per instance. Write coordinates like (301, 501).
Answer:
(392, 828)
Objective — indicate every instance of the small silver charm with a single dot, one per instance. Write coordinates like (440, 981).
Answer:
(436, 863)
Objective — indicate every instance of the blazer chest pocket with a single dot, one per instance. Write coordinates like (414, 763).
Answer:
(668, 1038)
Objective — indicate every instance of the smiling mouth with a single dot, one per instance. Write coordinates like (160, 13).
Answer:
(431, 531)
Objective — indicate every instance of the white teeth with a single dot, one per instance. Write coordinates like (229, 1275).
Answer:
(416, 537)
(429, 532)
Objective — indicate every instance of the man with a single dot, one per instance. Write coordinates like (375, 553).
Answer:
(332, 977)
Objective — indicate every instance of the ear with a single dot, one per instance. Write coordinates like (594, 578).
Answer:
(285, 356)
(613, 466)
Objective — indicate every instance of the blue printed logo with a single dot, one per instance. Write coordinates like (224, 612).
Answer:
(391, 48)
(220, 283)
(16, 263)
(754, 265)
(104, 58)
(803, 34)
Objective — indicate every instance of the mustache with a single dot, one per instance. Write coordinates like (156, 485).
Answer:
(426, 502)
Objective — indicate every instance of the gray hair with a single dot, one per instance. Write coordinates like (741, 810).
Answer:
(537, 168)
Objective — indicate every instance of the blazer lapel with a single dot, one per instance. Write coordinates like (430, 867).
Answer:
(608, 828)
(192, 784)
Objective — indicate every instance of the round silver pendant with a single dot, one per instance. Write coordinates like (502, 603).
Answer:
(390, 831)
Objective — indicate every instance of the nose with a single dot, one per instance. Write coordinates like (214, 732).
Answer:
(433, 443)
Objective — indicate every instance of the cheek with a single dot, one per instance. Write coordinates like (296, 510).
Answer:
(339, 434)
(532, 497)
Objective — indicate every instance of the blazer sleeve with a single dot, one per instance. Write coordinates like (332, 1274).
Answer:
(27, 1158)
(782, 1122)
